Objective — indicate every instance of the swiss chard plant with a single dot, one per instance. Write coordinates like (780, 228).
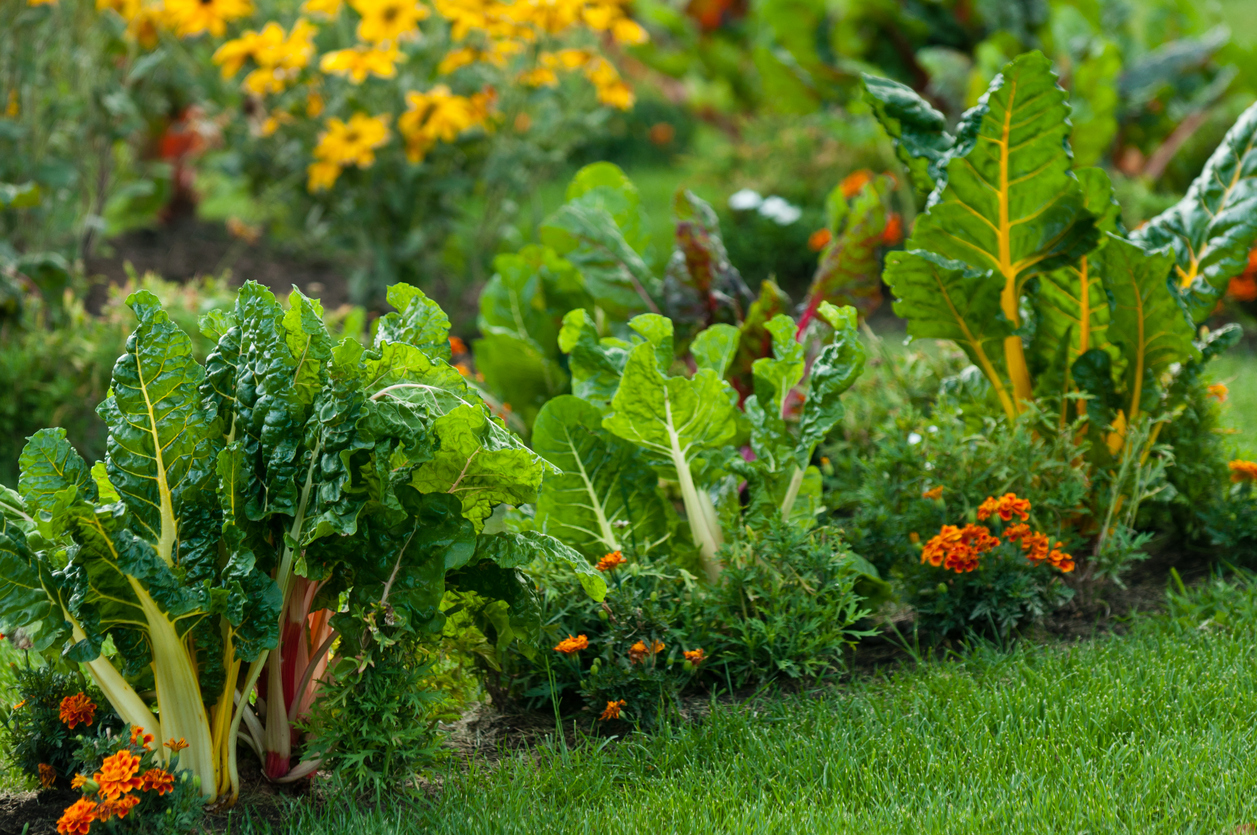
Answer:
(1021, 258)
(239, 503)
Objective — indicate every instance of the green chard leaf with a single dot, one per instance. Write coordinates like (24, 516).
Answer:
(596, 363)
(1213, 228)
(1147, 321)
(605, 496)
(835, 369)
(849, 271)
(418, 321)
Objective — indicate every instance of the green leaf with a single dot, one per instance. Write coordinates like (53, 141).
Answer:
(158, 455)
(25, 602)
(849, 271)
(480, 463)
(715, 348)
(775, 376)
(1147, 321)
(309, 343)
(671, 415)
(418, 321)
(519, 373)
(917, 129)
(656, 330)
(605, 186)
(1009, 203)
(518, 550)
(19, 195)
(596, 364)
(605, 496)
(755, 341)
(1213, 228)
(835, 369)
(48, 466)
(944, 299)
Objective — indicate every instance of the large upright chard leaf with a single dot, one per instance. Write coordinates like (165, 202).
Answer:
(604, 496)
(1213, 228)
(849, 272)
(1009, 204)
(701, 287)
(678, 421)
(1147, 321)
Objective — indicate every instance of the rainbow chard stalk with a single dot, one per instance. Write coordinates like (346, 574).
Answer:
(240, 501)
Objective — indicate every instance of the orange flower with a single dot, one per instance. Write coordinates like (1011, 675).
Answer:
(612, 711)
(1060, 560)
(656, 647)
(176, 747)
(961, 559)
(1036, 545)
(893, 233)
(695, 656)
(117, 774)
(47, 775)
(571, 646)
(463, 368)
(958, 549)
(1006, 506)
(1219, 391)
(1243, 471)
(20, 705)
(855, 181)
(1017, 532)
(978, 537)
(77, 819)
(457, 346)
(1243, 288)
(78, 781)
(611, 561)
(138, 737)
(936, 550)
(118, 807)
(155, 779)
(933, 492)
(819, 239)
(77, 708)
(638, 652)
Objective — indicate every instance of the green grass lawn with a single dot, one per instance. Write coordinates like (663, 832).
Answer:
(1146, 733)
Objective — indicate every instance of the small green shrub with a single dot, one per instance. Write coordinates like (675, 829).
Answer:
(36, 740)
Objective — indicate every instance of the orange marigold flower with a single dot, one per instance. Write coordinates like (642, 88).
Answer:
(457, 346)
(1243, 471)
(610, 561)
(638, 652)
(1007, 506)
(20, 705)
(77, 819)
(1017, 532)
(855, 181)
(819, 239)
(695, 656)
(933, 492)
(978, 537)
(138, 737)
(47, 775)
(1243, 288)
(118, 807)
(78, 781)
(1036, 546)
(571, 645)
(1060, 560)
(77, 708)
(962, 559)
(1219, 391)
(612, 711)
(158, 780)
(936, 550)
(892, 235)
(176, 747)
(117, 774)
(463, 368)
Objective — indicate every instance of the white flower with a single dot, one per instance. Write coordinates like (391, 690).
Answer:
(777, 209)
(914, 438)
(745, 200)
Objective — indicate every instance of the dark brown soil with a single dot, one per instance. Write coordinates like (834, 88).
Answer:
(37, 810)
(187, 248)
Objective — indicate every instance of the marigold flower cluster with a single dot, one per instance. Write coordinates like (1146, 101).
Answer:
(960, 549)
(386, 33)
(1242, 471)
(77, 708)
(114, 790)
(611, 561)
(47, 775)
(695, 656)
